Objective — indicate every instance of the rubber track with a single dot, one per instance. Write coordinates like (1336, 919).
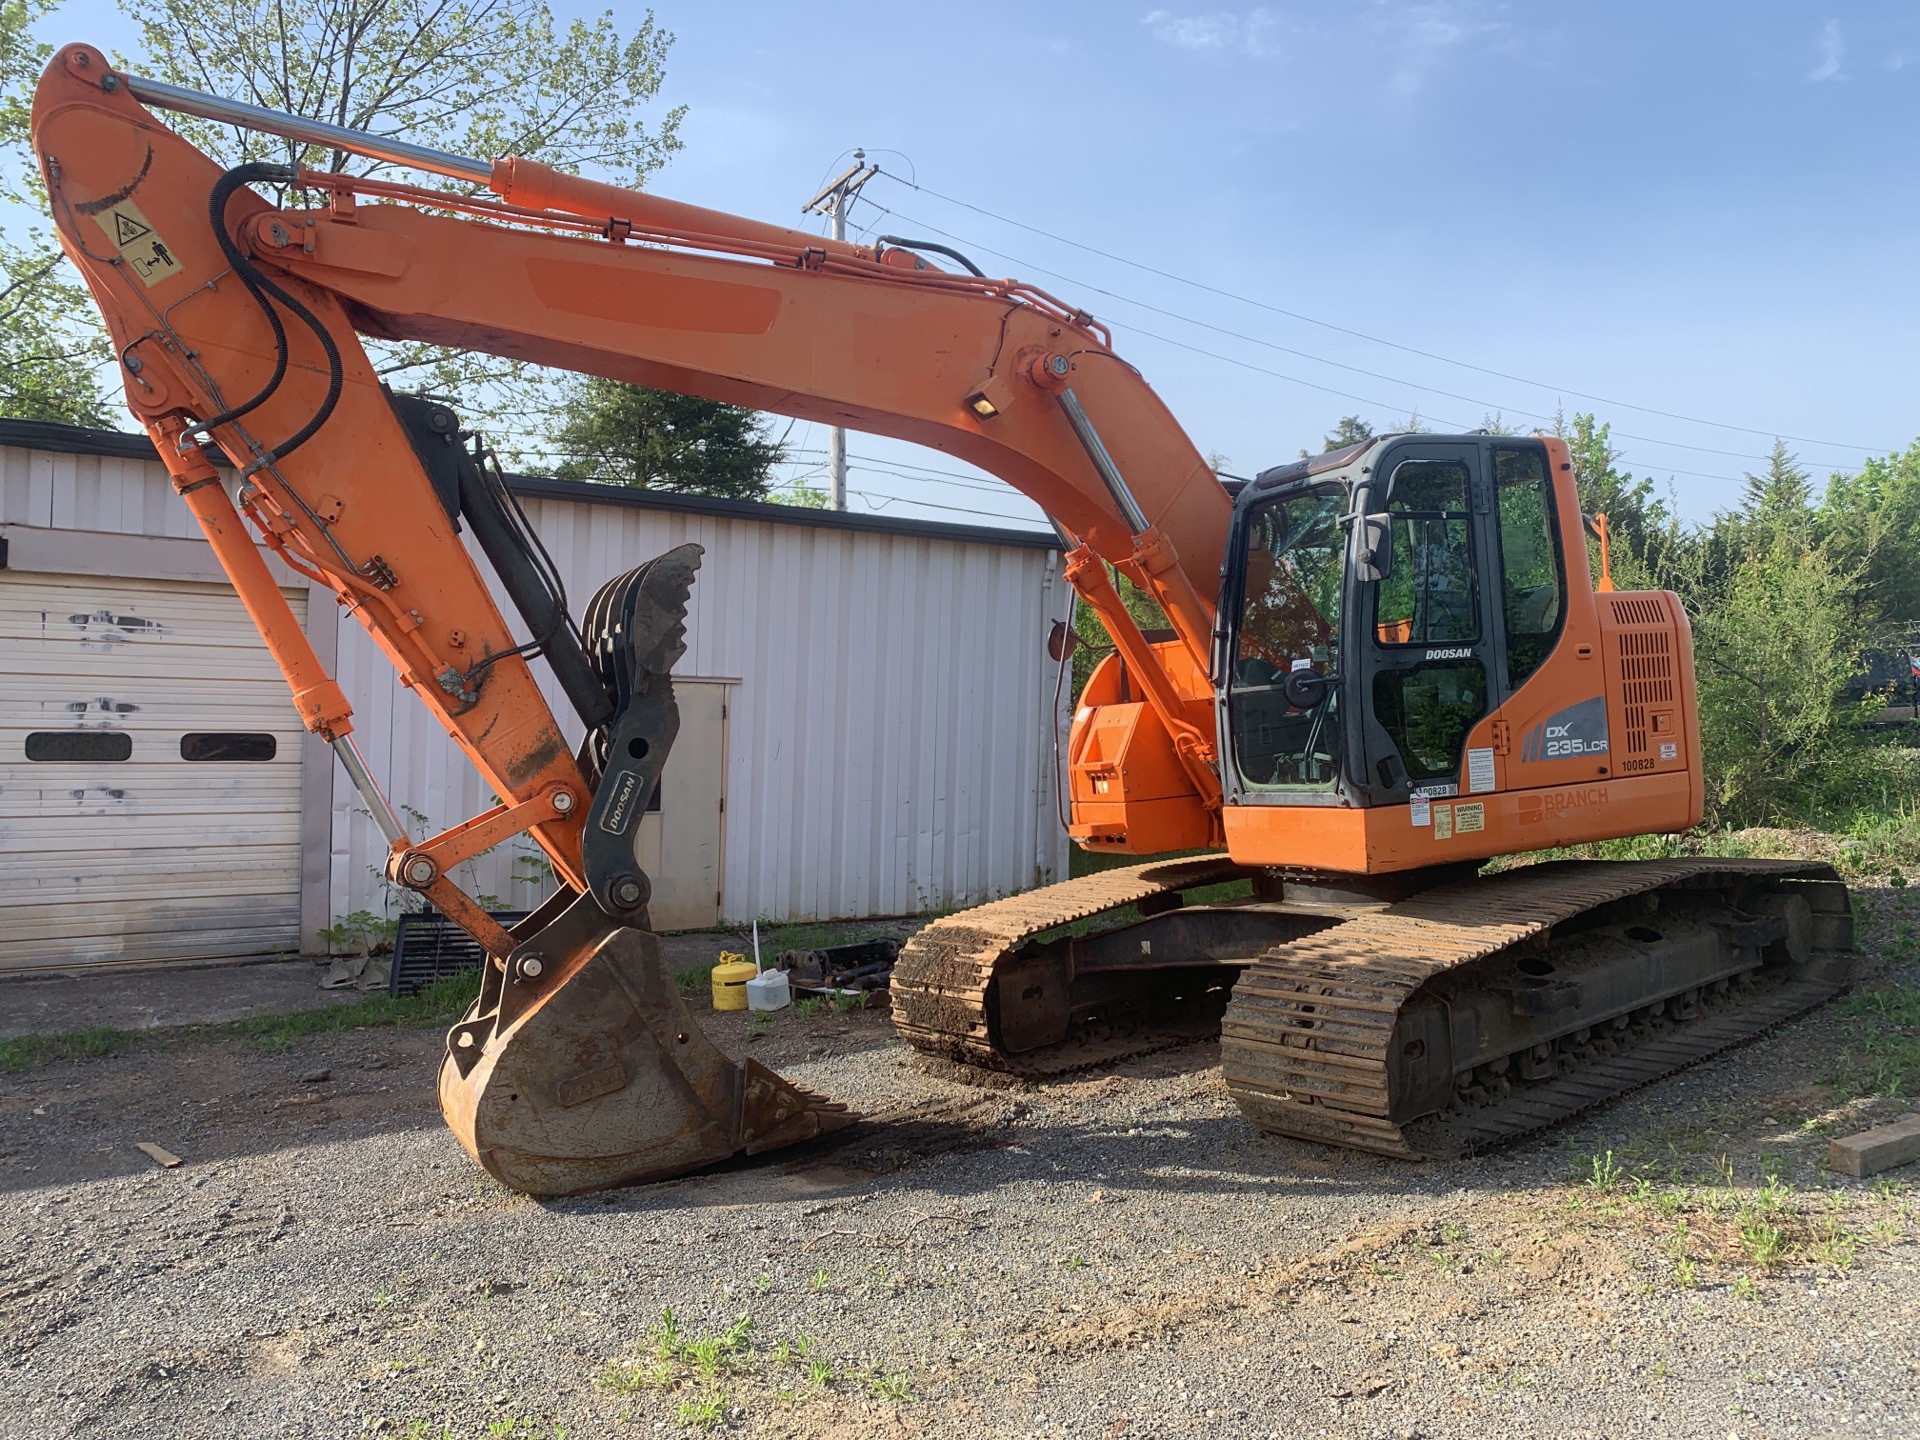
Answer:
(941, 977)
(1304, 1040)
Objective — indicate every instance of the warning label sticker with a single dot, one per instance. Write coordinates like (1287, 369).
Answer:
(1479, 770)
(139, 244)
(1443, 822)
(1468, 818)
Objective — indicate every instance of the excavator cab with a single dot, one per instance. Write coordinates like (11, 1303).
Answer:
(1394, 611)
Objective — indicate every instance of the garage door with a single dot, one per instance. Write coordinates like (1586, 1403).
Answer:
(149, 776)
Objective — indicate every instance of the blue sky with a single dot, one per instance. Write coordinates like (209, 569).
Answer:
(1705, 209)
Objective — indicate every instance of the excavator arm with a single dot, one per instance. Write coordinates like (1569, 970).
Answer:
(237, 325)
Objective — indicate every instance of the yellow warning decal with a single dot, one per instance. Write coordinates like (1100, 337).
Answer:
(139, 244)
(1443, 822)
(1469, 818)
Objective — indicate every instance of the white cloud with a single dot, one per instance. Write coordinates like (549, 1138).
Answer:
(1833, 49)
(1250, 34)
(1422, 36)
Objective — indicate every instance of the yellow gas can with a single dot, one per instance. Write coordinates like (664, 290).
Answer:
(730, 978)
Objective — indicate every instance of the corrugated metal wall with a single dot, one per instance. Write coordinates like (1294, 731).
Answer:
(90, 492)
(889, 744)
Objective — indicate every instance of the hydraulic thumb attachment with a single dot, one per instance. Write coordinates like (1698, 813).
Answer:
(580, 1066)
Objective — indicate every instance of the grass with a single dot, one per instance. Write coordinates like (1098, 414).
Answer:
(438, 1004)
(703, 1412)
(1887, 1058)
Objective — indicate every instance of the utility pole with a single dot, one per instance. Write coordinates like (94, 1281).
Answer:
(832, 202)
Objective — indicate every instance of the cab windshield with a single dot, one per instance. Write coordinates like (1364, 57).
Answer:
(1289, 620)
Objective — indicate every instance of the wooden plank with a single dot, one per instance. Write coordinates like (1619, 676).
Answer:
(165, 1159)
(1880, 1148)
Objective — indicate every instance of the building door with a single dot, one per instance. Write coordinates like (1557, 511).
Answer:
(679, 841)
(149, 776)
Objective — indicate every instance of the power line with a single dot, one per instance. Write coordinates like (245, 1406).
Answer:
(1375, 339)
(881, 501)
(1492, 406)
(1310, 384)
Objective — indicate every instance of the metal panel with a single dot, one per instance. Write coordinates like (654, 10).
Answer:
(153, 857)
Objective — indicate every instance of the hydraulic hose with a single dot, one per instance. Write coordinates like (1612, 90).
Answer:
(223, 189)
(260, 287)
(937, 249)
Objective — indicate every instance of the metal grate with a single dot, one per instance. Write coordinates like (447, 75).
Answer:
(428, 946)
(1646, 673)
(1638, 610)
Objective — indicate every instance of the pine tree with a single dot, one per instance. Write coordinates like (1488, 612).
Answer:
(622, 434)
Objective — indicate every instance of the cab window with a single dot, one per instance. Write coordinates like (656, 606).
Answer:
(1292, 570)
(1431, 595)
(1533, 588)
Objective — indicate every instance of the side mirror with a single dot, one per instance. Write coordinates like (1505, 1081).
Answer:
(1305, 689)
(1373, 546)
(1062, 641)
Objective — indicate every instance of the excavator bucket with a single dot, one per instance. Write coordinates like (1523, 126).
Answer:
(580, 1065)
(605, 1079)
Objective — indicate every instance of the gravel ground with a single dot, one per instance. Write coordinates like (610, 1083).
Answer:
(1116, 1256)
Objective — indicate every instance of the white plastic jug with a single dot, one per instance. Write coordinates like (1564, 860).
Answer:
(769, 991)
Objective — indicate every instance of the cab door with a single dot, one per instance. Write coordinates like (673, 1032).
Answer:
(1427, 636)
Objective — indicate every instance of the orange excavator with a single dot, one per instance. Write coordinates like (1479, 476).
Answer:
(1381, 667)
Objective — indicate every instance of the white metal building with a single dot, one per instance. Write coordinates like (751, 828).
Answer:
(868, 720)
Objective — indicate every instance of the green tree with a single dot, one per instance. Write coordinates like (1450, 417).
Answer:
(1651, 550)
(52, 349)
(1870, 523)
(655, 440)
(477, 77)
(1350, 430)
(1775, 642)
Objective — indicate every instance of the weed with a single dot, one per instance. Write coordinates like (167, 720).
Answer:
(664, 1335)
(1765, 1243)
(694, 980)
(892, 1388)
(804, 1345)
(762, 1283)
(1076, 1262)
(821, 1279)
(624, 1379)
(809, 1007)
(1772, 1197)
(1746, 1288)
(819, 1374)
(1684, 1275)
(703, 1412)
(759, 1024)
(1606, 1174)
(1834, 1247)
(846, 1002)
(1450, 1233)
